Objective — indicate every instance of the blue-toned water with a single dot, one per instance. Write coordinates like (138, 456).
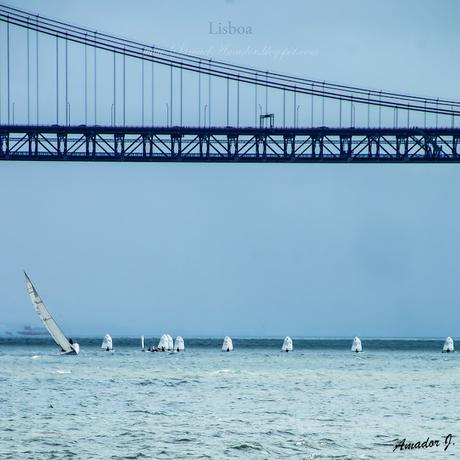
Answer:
(319, 402)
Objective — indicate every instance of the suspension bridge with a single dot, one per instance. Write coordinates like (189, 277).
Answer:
(71, 93)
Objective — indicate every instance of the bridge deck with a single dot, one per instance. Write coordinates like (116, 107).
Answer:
(229, 144)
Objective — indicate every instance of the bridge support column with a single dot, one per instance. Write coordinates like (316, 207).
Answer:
(204, 142)
(147, 140)
(377, 149)
(437, 148)
(370, 146)
(62, 144)
(176, 145)
(402, 147)
(317, 142)
(232, 141)
(427, 146)
(261, 140)
(33, 143)
(90, 140)
(289, 146)
(119, 145)
(455, 142)
(4, 144)
(345, 147)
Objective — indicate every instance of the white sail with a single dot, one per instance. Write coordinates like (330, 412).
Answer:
(48, 320)
(179, 345)
(448, 345)
(228, 344)
(356, 345)
(169, 343)
(287, 344)
(107, 343)
(163, 344)
(142, 343)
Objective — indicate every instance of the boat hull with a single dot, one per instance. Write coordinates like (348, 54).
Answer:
(75, 350)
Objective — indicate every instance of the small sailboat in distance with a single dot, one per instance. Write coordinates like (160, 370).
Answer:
(107, 344)
(448, 345)
(228, 344)
(179, 344)
(287, 344)
(356, 345)
(165, 343)
(67, 345)
(142, 343)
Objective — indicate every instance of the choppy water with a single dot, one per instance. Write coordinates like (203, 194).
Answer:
(319, 402)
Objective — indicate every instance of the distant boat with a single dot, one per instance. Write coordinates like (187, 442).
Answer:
(356, 345)
(287, 344)
(228, 344)
(149, 349)
(67, 346)
(448, 345)
(165, 343)
(33, 331)
(107, 343)
(179, 345)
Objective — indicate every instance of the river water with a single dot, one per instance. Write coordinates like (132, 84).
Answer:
(319, 402)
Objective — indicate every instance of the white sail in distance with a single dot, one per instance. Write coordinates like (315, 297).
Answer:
(164, 343)
(228, 344)
(448, 345)
(287, 344)
(107, 343)
(356, 345)
(48, 320)
(179, 344)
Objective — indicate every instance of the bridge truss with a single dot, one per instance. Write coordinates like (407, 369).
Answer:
(187, 144)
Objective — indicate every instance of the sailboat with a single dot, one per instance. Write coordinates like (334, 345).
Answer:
(179, 344)
(107, 344)
(356, 345)
(67, 345)
(165, 343)
(142, 343)
(228, 344)
(287, 344)
(448, 345)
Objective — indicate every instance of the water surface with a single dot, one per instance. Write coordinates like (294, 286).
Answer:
(319, 402)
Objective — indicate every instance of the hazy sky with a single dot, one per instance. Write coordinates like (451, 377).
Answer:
(310, 250)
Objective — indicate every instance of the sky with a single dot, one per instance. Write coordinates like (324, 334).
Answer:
(244, 250)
